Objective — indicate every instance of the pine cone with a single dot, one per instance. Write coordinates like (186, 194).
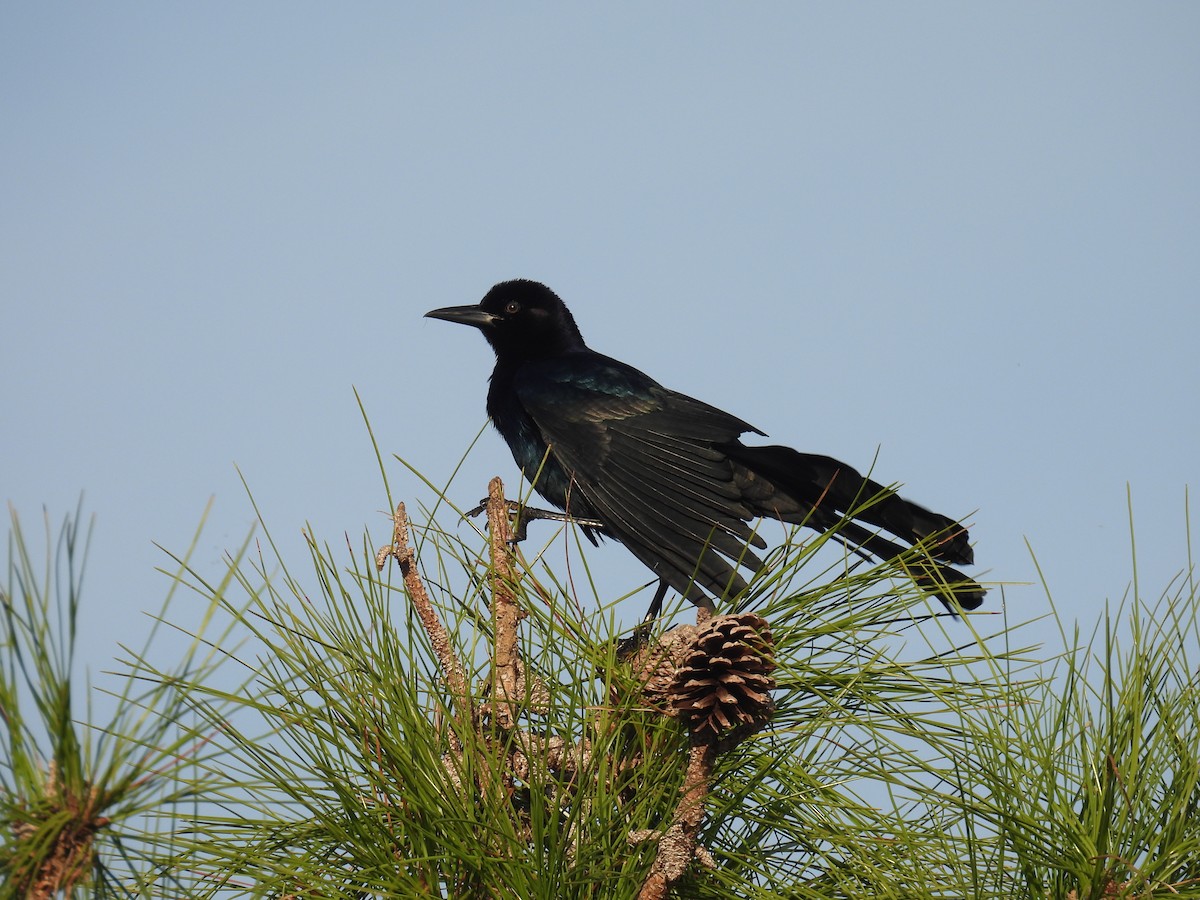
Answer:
(655, 664)
(722, 689)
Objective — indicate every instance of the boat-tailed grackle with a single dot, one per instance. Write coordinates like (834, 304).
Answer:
(667, 475)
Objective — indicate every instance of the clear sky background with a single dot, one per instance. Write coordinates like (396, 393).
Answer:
(964, 236)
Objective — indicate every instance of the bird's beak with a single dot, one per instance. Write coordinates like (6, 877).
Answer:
(464, 315)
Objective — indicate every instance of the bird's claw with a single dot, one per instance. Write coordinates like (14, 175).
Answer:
(514, 509)
(523, 515)
(629, 647)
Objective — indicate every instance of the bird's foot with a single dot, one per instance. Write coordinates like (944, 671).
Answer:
(523, 515)
(628, 647)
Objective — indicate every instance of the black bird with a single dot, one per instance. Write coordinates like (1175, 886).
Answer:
(667, 475)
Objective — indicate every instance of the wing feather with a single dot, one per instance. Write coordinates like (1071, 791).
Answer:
(650, 466)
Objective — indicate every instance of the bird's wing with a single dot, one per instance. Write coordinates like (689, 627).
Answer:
(649, 464)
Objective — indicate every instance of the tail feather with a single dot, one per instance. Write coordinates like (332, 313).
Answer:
(948, 584)
(822, 492)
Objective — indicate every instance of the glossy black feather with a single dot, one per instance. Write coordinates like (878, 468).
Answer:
(668, 475)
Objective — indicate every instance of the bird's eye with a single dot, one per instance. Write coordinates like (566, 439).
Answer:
(513, 307)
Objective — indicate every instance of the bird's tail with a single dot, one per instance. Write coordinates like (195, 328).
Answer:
(827, 494)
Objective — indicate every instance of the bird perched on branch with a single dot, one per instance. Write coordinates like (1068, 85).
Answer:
(667, 475)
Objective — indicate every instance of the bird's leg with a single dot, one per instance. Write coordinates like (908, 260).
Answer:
(527, 514)
(660, 594)
(523, 515)
(641, 634)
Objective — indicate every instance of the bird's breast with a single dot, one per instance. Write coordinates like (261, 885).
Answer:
(529, 448)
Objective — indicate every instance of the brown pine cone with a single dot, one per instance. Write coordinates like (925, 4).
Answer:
(724, 683)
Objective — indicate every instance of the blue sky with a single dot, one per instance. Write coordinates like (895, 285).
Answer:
(963, 236)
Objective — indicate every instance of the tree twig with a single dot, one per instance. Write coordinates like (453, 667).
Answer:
(677, 845)
(452, 667)
(508, 683)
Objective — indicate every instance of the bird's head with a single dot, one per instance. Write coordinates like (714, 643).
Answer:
(521, 320)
